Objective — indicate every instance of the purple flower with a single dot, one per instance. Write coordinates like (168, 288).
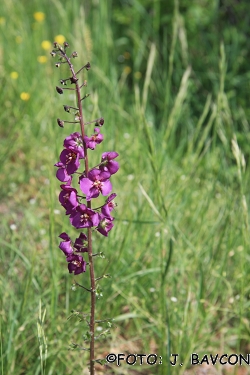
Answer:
(107, 163)
(109, 206)
(105, 225)
(74, 142)
(84, 217)
(76, 264)
(69, 161)
(68, 198)
(81, 243)
(96, 183)
(62, 173)
(65, 245)
(95, 139)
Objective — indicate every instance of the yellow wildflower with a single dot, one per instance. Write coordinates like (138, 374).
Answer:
(127, 70)
(14, 75)
(19, 39)
(137, 75)
(46, 45)
(39, 16)
(126, 55)
(25, 96)
(60, 39)
(42, 59)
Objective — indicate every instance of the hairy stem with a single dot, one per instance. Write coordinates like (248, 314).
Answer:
(90, 252)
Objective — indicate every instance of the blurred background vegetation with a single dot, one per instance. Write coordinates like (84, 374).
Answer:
(171, 79)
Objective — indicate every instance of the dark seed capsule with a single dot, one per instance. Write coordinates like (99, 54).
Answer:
(66, 108)
(60, 122)
(59, 90)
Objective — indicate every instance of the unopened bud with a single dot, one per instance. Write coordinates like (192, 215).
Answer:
(87, 66)
(63, 82)
(66, 44)
(73, 79)
(57, 65)
(77, 116)
(66, 108)
(59, 90)
(99, 122)
(60, 123)
(53, 53)
(55, 44)
(74, 54)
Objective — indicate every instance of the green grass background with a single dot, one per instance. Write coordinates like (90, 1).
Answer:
(171, 80)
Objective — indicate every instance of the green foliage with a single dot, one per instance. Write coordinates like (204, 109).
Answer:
(172, 85)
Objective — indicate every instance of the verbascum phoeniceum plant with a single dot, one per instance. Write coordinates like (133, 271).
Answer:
(81, 185)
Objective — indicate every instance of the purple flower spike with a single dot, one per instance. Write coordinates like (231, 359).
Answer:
(65, 245)
(68, 198)
(95, 139)
(76, 264)
(107, 163)
(84, 217)
(74, 142)
(93, 179)
(96, 183)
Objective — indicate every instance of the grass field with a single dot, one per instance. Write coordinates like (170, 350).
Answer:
(171, 80)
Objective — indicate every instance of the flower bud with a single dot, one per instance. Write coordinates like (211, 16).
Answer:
(57, 65)
(63, 82)
(99, 122)
(59, 90)
(60, 123)
(73, 79)
(66, 108)
(87, 66)
(77, 116)
(74, 54)
(55, 44)
(53, 53)
(66, 44)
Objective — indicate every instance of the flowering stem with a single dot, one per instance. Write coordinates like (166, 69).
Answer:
(89, 232)
(90, 252)
(93, 182)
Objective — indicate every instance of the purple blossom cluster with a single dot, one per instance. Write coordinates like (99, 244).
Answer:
(92, 182)
(96, 182)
